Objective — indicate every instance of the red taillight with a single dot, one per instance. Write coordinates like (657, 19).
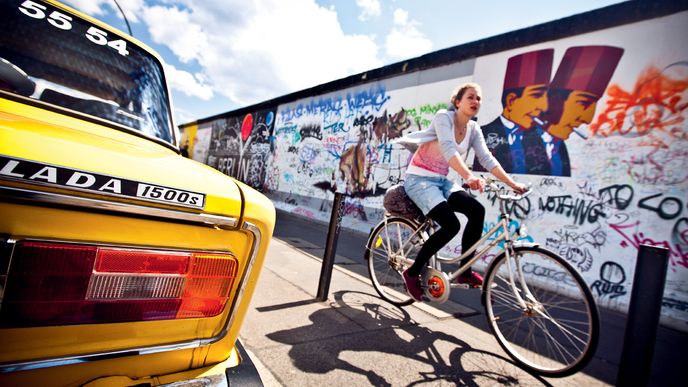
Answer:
(60, 284)
(205, 290)
(141, 261)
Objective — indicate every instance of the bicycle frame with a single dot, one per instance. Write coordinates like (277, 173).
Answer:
(480, 250)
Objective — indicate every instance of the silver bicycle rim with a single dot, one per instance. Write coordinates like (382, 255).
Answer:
(558, 333)
(388, 248)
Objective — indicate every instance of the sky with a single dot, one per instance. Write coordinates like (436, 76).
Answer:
(222, 55)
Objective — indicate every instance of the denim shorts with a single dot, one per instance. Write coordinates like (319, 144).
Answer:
(427, 192)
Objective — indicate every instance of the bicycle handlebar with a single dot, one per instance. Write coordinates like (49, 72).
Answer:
(491, 184)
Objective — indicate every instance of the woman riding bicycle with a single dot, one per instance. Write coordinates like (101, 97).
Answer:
(443, 145)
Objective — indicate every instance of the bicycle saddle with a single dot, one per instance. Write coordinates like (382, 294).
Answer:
(397, 203)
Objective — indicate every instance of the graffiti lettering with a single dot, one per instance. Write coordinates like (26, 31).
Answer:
(387, 155)
(618, 195)
(555, 275)
(611, 281)
(579, 209)
(432, 109)
(310, 131)
(336, 128)
(287, 129)
(239, 168)
(596, 238)
(324, 106)
(419, 115)
(550, 182)
(581, 257)
(603, 289)
(367, 98)
(675, 206)
(363, 120)
(675, 304)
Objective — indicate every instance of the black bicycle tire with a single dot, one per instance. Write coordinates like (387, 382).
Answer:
(591, 309)
(369, 248)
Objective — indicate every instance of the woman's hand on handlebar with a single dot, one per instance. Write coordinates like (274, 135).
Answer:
(476, 183)
(519, 188)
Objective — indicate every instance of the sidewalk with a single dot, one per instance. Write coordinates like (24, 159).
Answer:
(355, 338)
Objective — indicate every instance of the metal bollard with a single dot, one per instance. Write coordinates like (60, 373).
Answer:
(643, 316)
(330, 247)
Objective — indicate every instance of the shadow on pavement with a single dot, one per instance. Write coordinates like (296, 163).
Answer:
(667, 366)
(389, 330)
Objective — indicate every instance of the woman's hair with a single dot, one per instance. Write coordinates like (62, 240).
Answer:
(458, 93)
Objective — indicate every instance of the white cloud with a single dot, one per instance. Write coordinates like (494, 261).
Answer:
(369, 9)
(400, 16)
(254, 51)
(405, 40)
(174, 28)
(193, 85)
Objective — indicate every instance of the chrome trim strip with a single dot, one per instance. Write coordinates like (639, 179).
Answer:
(104, 205)
(253, 229)
(61, 169)
(32, 365)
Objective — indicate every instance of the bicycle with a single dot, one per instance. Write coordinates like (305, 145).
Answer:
(538, 307)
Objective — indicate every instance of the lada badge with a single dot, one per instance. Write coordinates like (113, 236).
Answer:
(34, 172)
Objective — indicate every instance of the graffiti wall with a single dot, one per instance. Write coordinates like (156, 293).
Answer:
(595, 122)
(239, 146)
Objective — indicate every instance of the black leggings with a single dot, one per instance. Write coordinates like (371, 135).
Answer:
(443, 214)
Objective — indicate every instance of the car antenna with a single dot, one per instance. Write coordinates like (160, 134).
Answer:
(124, 16)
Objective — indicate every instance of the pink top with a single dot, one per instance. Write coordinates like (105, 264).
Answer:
(429, 158)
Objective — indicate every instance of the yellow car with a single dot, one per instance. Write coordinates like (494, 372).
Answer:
(121, 262)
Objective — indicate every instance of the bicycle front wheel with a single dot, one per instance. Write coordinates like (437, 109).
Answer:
(391, 248)
(556, 329)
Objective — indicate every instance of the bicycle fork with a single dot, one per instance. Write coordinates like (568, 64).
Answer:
(522, 287)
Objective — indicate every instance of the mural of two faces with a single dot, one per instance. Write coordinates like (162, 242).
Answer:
(539, 115)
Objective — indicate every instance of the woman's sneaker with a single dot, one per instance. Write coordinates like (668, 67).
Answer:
(413, 286)
(473, 280)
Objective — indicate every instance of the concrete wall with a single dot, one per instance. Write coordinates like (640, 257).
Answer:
(628, 182)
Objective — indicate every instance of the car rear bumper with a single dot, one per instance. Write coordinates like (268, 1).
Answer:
(237, 370)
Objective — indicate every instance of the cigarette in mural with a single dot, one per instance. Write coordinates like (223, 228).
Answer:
(581, 134)
(542, 124)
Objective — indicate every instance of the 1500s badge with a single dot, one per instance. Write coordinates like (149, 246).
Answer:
(53, 175)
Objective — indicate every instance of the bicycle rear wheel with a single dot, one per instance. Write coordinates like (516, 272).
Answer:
(390, 247)
(556, 332)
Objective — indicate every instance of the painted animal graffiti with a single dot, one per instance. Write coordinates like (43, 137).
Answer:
(357, 161)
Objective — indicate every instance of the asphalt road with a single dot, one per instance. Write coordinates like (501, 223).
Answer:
(670, 345)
